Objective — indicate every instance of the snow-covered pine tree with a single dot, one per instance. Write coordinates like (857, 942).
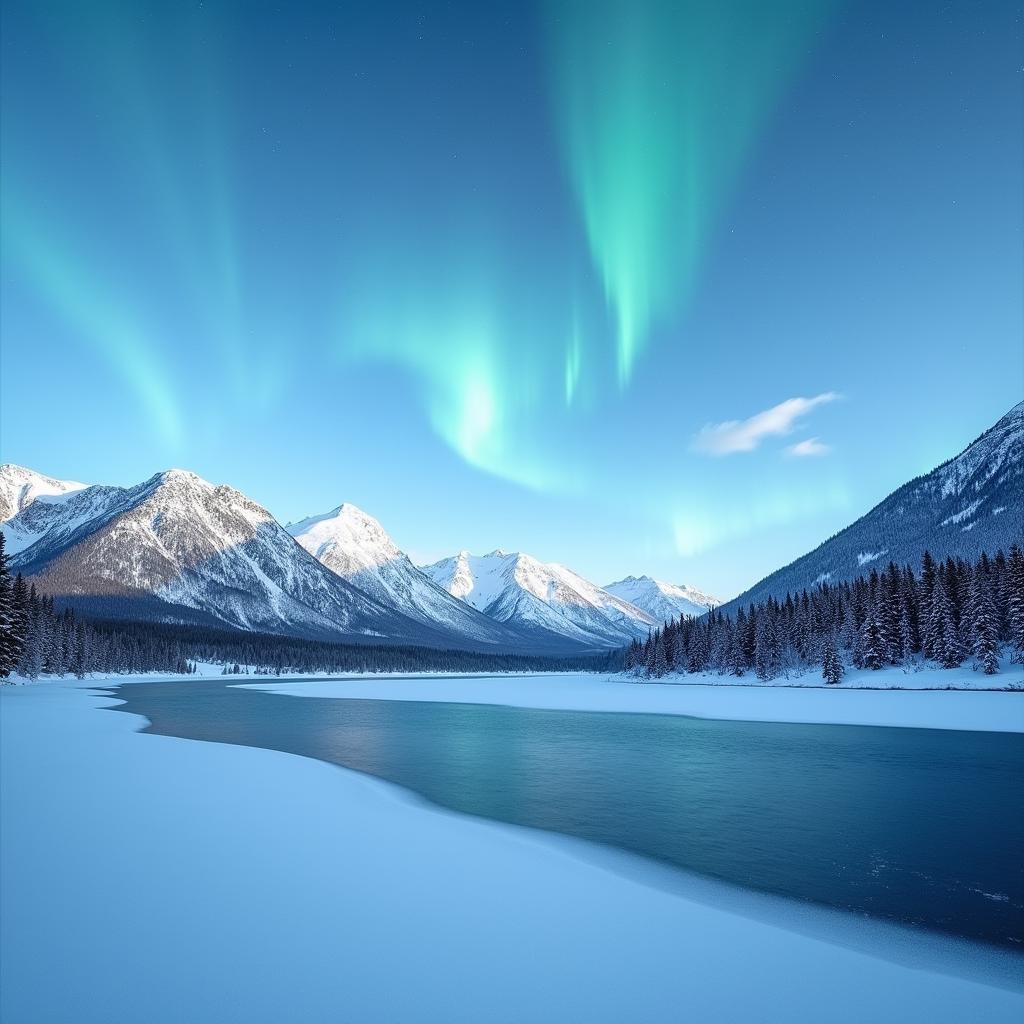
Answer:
(906, 637)
(984, 626)
(660, 661)
(11, 629)
(1001, 595)
(873, 644)
(669, 643)
(832, 665)
(931, 625)
(912, 608)
(767, 657)
(943, 629)
(735, 662)
(1015, 598)
(652, 639)
(31, 663)
(925, 590)
(748, 640)
(890, 611)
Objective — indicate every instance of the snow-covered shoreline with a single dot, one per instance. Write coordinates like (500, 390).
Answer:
(185, 880)
(922, 708)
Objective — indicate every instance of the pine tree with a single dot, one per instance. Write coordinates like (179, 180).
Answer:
(873, 649)
(832, 667)
(668, 636)
(984, 622)
(925, 591)
(1001, 595)
(1015, 598)
(649, 652)
(10, 639)
(748, 637)
(767, 656)
(906, 638)
(890, 612)
(660, 661)
(946, 648)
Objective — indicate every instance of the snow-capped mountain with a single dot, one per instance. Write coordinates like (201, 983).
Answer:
(662, 601)
(179, 548)
(356, 547)
(540, 598)
(20, 487)
(970, 504)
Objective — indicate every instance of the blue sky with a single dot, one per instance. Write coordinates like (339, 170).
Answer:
(657, 287)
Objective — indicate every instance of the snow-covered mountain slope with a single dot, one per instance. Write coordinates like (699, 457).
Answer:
(662, 601)
(970, 504)
(52, 521)
(540, 598)
(356, 547)
(178, 547)
(20, 487)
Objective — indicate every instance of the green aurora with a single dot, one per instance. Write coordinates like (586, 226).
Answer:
(657, 106)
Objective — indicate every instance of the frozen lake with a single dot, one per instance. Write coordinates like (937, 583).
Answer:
(917, 826)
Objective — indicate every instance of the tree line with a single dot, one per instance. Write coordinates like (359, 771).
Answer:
(947, 612)
(39, 638)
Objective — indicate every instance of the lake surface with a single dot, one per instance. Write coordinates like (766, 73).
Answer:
(918, 826)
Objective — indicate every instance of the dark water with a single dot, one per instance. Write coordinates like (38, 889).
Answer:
(919, 826)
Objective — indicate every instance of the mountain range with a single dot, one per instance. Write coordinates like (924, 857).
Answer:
(540, 598)
(176, 548)
(354, 546)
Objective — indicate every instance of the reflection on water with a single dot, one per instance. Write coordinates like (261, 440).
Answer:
(914, 825)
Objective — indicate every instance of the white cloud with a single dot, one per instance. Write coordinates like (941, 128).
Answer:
(806, 449)
(746, 435)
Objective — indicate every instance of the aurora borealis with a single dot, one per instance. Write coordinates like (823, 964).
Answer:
(512, 259)
(658, 104)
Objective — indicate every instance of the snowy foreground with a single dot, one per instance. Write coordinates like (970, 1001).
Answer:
(984, 710)
(159, 879)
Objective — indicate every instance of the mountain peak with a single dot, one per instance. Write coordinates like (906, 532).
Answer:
(662, 601)
(176, 476)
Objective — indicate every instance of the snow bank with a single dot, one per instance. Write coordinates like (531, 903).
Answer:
(985, 710)
(147, 877)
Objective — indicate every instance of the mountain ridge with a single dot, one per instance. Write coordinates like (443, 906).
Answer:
(516, 588)
(970, 503)
(183, 548)
(354, 545)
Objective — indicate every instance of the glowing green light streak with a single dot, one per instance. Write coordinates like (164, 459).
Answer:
(195, 213)
(573, 360)
(700, 525)
(488, 375)
(104, 324)
(658, 104)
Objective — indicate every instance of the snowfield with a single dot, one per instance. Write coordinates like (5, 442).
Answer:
(152, 878)
(715, 697)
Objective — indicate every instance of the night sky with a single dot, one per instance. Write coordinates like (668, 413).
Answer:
(642, 287)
